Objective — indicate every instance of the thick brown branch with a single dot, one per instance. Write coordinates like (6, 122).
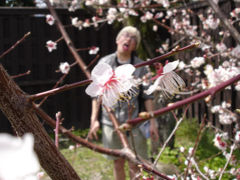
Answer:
(209, 92)
(14, 104)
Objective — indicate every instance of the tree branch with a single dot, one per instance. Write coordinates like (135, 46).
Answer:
(68, 40)
(13, 46)
(227, 25)
(209, 92)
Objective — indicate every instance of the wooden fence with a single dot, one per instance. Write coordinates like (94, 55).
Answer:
(32, 55)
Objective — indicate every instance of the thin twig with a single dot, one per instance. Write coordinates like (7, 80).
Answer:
(15, 45)
(169, 138)
(55, 86)
(58, 117)
(228, 160)
(195, 146)
(20, 75)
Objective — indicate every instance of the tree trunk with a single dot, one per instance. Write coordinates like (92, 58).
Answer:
(16, 107)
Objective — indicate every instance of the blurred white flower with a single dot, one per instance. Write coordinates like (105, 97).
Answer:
(112, 85)
(94, 50)
(90, 2)
(221, 47)
(49, 19)
(64, 67)
(77, 23)
(197, 62)
(111, 15)
(208, 69)
(211, 22)
(71, 147)
(236, 51)
(182, 149)
(190, 150)
(51, 45)
(237, 136)
(18, 159)
(155, 28)
(86, 23)
(181, 65)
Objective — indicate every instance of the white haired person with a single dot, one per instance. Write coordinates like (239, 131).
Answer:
(127, 41)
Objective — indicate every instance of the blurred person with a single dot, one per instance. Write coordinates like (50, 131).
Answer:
(127, 41)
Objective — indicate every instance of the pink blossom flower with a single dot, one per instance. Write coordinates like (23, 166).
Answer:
(94, 50)
(64, 67)
(219, 142)
(112, 85)
(50, 20)
(51, 45)
(167, 80)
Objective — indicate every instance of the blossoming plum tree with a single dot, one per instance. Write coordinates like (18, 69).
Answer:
(111, 86)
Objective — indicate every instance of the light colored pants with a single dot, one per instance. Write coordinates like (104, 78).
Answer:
(111, 140)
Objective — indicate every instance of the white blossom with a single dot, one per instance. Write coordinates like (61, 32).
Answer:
(236, 51)
(51, 45)
(111, 15)
(221, 47)
(112, 85)
(49, 19)
(18, 159)
(64, 67)
(167, 80)
(197, 62)
(211, 23)
(155, 28)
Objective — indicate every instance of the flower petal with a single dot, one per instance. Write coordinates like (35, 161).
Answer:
(93, 90)
(170, 66)
(101, 73)
(124, 71)
(153, 87)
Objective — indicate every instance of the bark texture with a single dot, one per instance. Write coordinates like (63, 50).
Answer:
(16, 107)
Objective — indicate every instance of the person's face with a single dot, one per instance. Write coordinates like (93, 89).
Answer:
(126, 43)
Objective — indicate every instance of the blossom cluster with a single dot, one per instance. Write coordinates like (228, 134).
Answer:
(226, 116)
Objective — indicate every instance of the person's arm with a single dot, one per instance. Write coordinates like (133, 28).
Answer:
(94, 126)
(153, 124)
